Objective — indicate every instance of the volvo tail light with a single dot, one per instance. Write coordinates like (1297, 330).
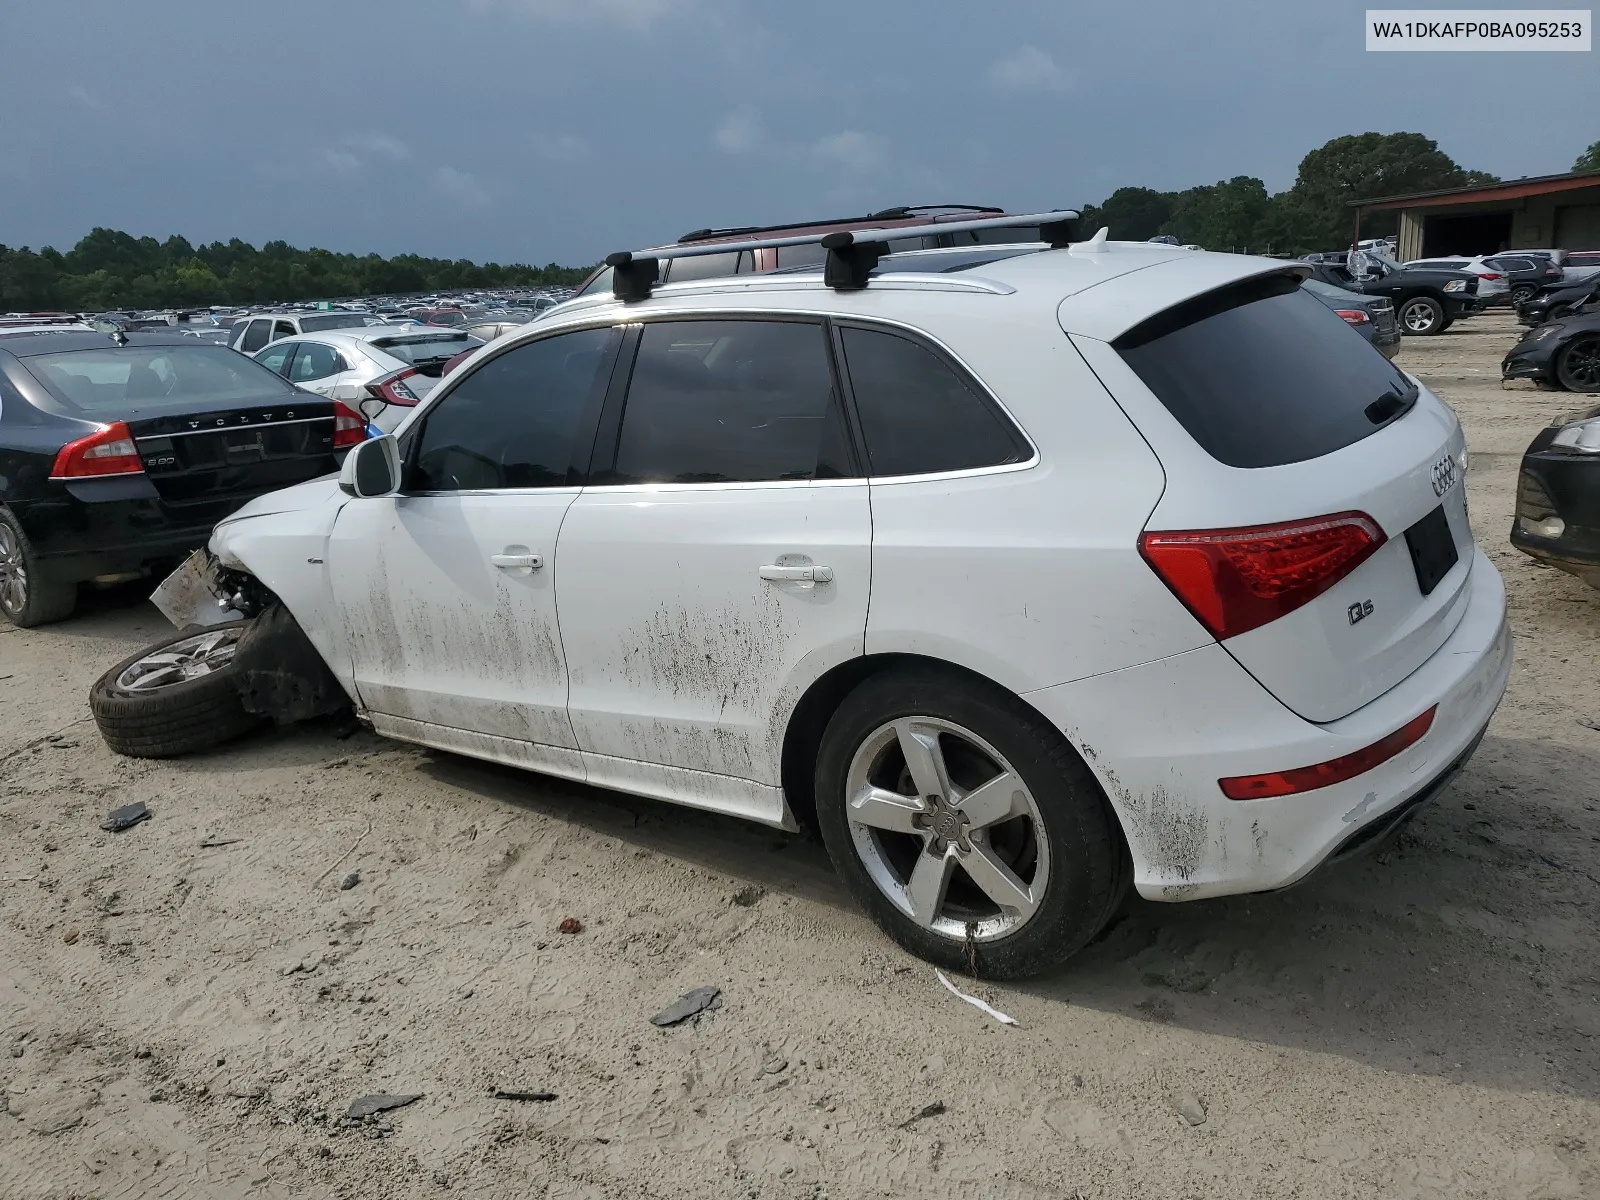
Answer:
(392, 389)
(1353, 316)
(349, 426)
(1235, 580)
(110, 450)
(1335, 770)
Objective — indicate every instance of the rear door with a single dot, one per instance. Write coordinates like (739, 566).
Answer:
(1264, 407)
(448, 589)
(719, 561)
(316, 366)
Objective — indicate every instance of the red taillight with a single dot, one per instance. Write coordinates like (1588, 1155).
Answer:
(1337, 770)
(1235, 580)
(1353, 316)
(1488, 275)
(392, 389)
(349, 426)
(110, 450)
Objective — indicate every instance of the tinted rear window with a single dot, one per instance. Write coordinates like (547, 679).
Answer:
(1263, 373)
(331, 321)
(149, 378)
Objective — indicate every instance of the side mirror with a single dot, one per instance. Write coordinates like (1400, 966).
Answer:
(371, 468)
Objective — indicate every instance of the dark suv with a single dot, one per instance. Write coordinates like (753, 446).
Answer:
(747, 262)
(1426, 299)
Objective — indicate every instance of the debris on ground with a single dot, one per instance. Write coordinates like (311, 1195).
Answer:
(688, 1005)
(125, 817)
(570, 925)
(1590, 722)
(747, 896)
(1188, 1106)
(922, 1114)
(980, 1005)
(349, 881)
(365, 1107)
(536, 1097)
(70, 936)
(213, 843)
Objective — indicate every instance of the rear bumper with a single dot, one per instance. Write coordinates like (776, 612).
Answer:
(1159, 737)
(81, 540)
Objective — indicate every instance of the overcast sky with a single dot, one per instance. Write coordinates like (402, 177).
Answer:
(540, 130)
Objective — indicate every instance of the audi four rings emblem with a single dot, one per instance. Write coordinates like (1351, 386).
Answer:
(1444, 475)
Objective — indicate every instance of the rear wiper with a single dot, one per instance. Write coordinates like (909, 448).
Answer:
(1390, 405)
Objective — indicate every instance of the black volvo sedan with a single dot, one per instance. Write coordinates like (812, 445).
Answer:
(119, 453)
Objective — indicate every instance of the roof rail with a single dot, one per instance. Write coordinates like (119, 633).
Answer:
(852, 253)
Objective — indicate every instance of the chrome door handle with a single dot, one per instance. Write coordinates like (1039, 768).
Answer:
(796, 574)
(512, 562)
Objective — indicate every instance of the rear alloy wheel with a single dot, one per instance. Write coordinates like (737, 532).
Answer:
(175, 697)
(1522, 293)
(1578, 366)
(28, 596)
(966, 826)
(1422, 315)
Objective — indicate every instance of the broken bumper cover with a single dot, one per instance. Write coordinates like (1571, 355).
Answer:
(1159, 737)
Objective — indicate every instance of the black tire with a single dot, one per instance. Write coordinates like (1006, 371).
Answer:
(29, 595)
(174, 719)
(1523, 292)
(1421, 316)
(1578, 364)
(1088, 864)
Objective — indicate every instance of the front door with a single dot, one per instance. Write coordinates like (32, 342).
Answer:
(719, 562)
(447, 589)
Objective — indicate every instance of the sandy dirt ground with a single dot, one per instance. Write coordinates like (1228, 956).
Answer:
(184, 1017)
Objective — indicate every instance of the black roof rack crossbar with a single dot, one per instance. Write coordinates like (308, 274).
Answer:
(852, 254)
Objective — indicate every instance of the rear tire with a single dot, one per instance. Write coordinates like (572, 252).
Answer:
(1578, 366)
(1523, 293)
(1048, 824)
(175, 697)
(1422, 316)
(29, 596)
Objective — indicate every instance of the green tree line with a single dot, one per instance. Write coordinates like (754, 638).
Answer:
(110, 269)
(1314, 214)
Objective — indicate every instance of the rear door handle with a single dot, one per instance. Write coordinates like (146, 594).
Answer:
(514, 562)
(796, 574)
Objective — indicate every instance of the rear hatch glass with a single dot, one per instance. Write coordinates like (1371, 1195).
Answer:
(427, 352)
(320, 321)
(1262, 374)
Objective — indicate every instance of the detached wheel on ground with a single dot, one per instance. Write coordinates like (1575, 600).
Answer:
(966, 826)
(1422, 315)
(28, 595)
(1578, 368)
(175, 697)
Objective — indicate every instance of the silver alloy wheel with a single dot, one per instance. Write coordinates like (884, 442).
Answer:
(13, 573)
(1419, 318)
(178, 662)
(947, 829)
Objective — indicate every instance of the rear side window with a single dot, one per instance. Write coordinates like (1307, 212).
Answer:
(315, 361)
(255, 336)
(282, 329)
(917, 414)
(1263, 373)
(731, 402)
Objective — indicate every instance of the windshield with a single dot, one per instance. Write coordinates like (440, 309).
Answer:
(153, 378)
(424, 349)
(1262, 374)
(318, 321)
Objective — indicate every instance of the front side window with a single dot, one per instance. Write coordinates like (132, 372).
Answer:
(315, 361)
(276, 357)
(917, 414)
(513, 422)
(255, 336)
(731, 402)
